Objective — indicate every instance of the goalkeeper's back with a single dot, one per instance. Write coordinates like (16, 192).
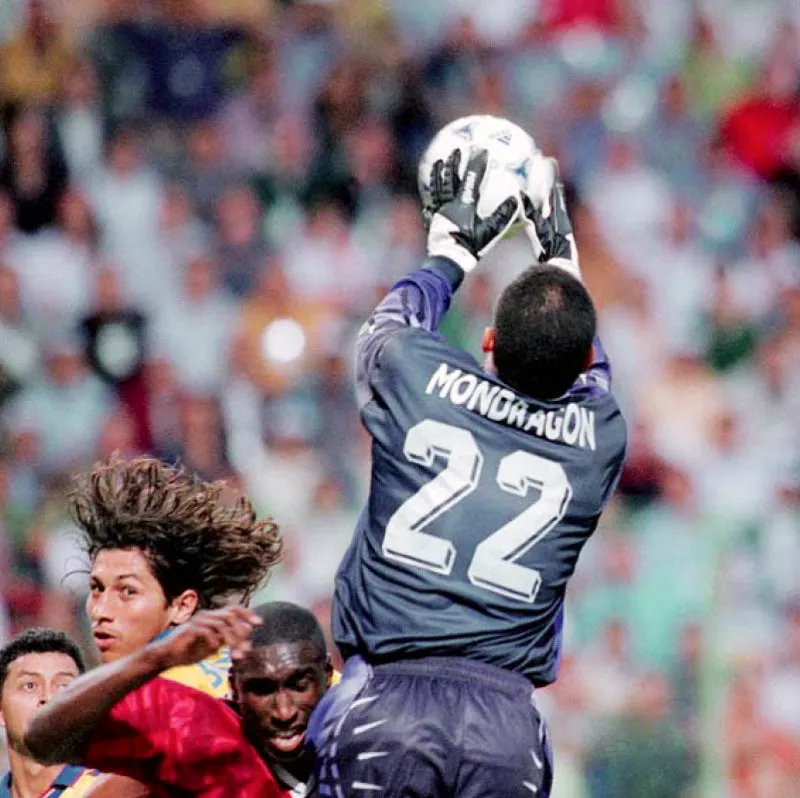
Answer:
(482, 496)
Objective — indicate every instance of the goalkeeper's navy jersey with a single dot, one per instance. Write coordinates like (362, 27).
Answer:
(480, 501)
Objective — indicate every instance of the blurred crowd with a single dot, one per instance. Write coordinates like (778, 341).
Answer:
(201, 201)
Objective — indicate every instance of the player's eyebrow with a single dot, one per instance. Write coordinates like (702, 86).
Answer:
(42, 676)
(128, 576)
(29, 673)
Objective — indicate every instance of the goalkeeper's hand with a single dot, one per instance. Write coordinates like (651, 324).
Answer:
(456, 230)
(550, 230)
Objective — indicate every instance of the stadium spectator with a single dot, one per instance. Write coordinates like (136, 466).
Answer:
(63, 407)
(195, 336)
(18, 346)
(208, 171)
(80, 123)
(33, 172)
(756, 130)
(324, 261)
(248, 119)
(126, 196)
(203, 447)
(240, 245)
(714, 79)
(267, 319)
(34, 61)
(643, 752)
(71, 242)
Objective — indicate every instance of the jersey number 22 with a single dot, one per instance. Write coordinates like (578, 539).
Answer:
(493, 565)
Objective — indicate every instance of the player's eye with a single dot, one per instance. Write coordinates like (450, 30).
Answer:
(128, 591)
(95, 588)
(28, 686)
(260, 687)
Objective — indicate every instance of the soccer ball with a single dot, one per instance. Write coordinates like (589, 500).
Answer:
(515, 161)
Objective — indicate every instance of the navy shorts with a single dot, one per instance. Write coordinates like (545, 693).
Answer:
(428, 728)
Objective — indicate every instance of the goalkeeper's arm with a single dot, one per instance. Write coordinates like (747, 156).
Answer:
(457, 238)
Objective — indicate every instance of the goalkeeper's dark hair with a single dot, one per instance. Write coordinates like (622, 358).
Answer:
(194, 536)
(544, 326)
(38, 640)
(284, 622)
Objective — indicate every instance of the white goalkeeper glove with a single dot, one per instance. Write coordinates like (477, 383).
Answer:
(456, 231)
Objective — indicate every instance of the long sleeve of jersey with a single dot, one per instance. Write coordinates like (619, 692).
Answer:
(419, 300)
(178, 740)
(596, 380)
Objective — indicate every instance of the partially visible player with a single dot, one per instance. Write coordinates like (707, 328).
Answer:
(162, 545)
(34, 667)
(123, 717)
(277, 685)
(486, 483)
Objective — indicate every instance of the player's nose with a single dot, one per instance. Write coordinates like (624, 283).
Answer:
(284, 709)
(98, 608)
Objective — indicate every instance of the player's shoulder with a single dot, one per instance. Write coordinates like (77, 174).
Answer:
(185, 706)
(73, 781)
(211, 676)
(83, 781)
(414, 352)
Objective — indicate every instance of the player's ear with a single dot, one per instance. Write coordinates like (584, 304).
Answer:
(589, 358)
(236, 693)
(487, 343)
(328, 671)
(183, 607)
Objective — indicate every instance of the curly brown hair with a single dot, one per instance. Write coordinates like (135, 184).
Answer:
(191, 535)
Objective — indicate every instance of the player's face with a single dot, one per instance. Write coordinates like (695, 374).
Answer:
(126, 605)
(277, 688)
(32, 680)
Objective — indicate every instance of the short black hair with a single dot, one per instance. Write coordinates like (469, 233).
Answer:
(284, 622)
(38, 640)
(545, 323)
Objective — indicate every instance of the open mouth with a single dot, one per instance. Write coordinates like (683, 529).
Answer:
(287, 742)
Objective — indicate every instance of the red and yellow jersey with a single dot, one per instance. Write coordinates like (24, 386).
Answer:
(209, 676)
(175, 739)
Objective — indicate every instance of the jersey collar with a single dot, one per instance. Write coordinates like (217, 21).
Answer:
(68, 776)
(290, 782)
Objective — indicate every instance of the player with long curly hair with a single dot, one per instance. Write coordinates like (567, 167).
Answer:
(163, 544)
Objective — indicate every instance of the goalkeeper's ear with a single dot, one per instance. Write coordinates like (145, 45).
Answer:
(487, 344)
(488, 340)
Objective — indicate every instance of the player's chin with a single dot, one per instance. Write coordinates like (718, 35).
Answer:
(286, 746)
